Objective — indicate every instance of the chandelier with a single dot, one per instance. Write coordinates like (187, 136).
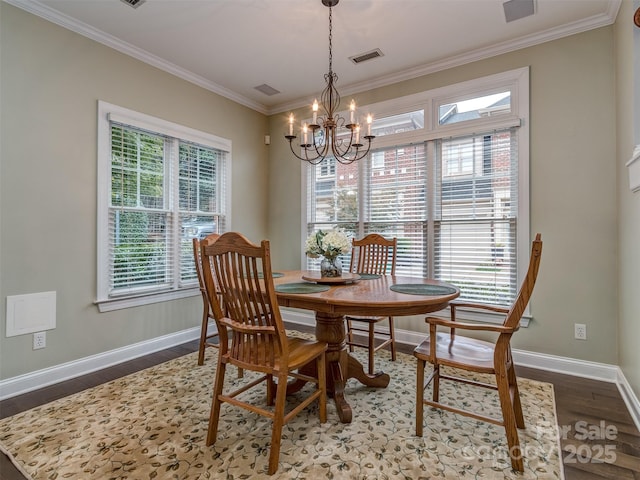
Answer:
(320, 139)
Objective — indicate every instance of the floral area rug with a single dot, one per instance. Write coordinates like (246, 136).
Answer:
(153, 425)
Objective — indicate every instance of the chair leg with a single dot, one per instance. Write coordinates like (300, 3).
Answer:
(419, 396)
(436, 383)
(203, 336)
(349, 335)
(278, 420)
(392, 335)
(372, 347)
(509, 417)
(517, 406)
(270, 385)
(322, 386)
(214, 416)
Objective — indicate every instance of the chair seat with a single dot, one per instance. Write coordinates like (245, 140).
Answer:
(463, 352)
(301, 352)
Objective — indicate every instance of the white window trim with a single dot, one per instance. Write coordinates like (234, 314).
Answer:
(517, 81)
(108, 112)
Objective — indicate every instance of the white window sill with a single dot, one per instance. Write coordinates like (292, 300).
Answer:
(120, 303)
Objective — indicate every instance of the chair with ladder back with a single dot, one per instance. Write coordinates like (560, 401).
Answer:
(493, 358)
(372, 255)
(241, 272)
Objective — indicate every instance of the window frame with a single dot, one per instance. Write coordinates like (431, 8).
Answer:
(106, 114)
(517, 82)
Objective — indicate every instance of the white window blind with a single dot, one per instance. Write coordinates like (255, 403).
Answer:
(395, 205)
(139, 221)
(332, 200)
(157, 192)
(475, 224)
(200, 199)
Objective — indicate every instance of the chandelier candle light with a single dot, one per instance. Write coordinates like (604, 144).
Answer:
(324, 130)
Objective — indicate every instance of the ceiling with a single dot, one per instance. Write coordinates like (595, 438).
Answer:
(232, 46)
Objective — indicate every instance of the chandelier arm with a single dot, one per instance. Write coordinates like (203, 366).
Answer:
(306, 158)
(358, 154)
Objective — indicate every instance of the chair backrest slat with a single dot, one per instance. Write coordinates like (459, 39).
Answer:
(242, 272)
(373, 254)
(197, 256)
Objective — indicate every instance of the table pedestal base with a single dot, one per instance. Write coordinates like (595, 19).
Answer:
(341, 366)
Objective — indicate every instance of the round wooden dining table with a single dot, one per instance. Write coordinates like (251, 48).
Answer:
(356, 295)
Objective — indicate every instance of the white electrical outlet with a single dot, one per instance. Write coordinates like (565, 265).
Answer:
(39, 340)
(580, 331)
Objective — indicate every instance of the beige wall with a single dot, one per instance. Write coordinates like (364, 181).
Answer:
(627, 38)
(573, 189)
(51, 82)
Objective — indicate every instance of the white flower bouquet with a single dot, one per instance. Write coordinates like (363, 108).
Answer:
(327, 244)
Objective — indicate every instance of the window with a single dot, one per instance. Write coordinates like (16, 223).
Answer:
(458, 157)
(377, 160)
(453, 189)
(327, 168)
(404, 122)
(477, 106)
(159, 186)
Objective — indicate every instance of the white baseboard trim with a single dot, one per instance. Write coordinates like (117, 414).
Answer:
(569, 366)
(59, 373)
(49, 376)
(629, 397)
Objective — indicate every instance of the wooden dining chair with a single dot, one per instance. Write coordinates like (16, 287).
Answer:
(206, 336)
(373, 255)
(441, 349)
(242, 273)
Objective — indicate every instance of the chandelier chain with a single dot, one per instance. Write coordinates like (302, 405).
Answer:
(330, 40)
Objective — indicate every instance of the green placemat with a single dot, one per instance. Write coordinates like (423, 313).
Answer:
(369, 276)
(422, 289)
(301, 287)
(273, 275)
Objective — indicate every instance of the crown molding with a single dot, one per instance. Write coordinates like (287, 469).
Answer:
(587, 24)
(99, 36)
(69, 23)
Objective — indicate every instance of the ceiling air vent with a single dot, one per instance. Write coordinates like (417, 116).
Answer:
(267, 89)
(134, 3)
(363, 57)
(517, 9)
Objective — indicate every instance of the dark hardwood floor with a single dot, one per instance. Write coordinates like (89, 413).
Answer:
(601, 440)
